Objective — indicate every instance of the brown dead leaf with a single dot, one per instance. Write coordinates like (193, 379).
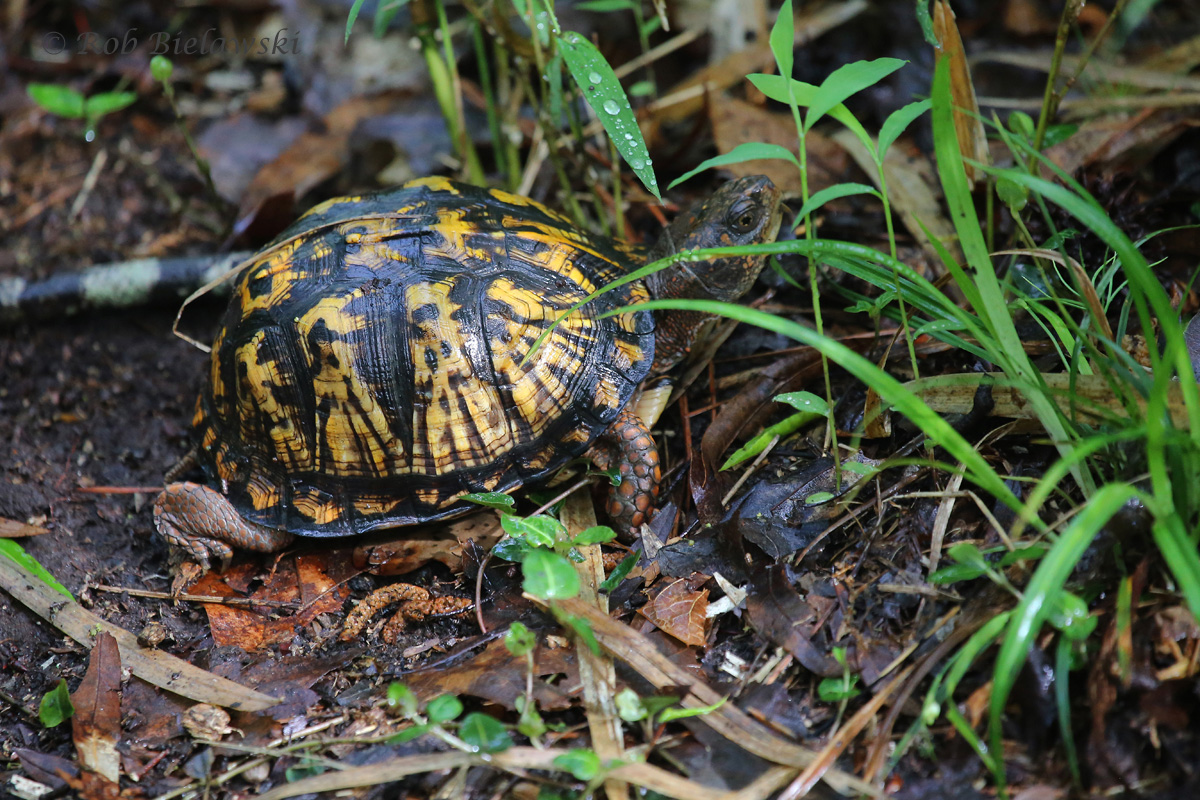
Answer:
(735, 121)
(775, 609)
(406, 552)
(972, 139)
(96, 725)
(311, 584)
(497, 675)
(312, 159)
(12, 529)
(204, 721)
(679, 610)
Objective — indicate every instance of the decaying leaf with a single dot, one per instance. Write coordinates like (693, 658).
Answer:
(306, 585)
(497, 675)
(13, 529)
(406, 551)
(775, 609)
(204, 721)
(972, 139)
(679, 610)
(96, 725)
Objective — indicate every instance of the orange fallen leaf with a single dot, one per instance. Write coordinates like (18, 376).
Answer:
(679, 610)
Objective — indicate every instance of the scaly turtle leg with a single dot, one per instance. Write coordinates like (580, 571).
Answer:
(628, 446)
(202, 522)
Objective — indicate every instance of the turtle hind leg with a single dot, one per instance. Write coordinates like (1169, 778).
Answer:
(628, 446)
(203, 523)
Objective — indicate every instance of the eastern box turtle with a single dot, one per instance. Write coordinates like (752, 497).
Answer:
(368, 370)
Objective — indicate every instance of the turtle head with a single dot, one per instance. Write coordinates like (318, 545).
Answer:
(744, 211)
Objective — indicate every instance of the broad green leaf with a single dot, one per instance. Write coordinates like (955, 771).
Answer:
(530, 722)
(443, 708)
(490, 499)
(619, 572)
(60, 100)
(896, 123)
(597, 534)
(582, 763)
(1032, 553)
(816, 498)
(954, 573)
(847, 81)
(549, 576)
(832, 193)
(98, 105)
(486, 734)
(56, 706)
(519, 639)
(746, 151)
(16, 553)
(539, 531)
(968, 555)
(774, 87)
(512, 549)
(1056, 134)
(600, 87)
(757, 444)
(804, 401)
(835, 690)
(783, 38)
(1070, 615)
(409, 733)
(668, 714)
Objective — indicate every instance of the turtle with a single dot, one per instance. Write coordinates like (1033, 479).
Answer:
(373, 365)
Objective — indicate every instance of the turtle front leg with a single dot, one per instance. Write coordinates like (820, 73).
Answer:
(203, 523)
(628, 446)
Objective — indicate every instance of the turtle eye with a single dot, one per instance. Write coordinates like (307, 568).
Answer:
(743, 217)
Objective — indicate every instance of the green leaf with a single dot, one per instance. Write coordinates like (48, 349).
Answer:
(597, 534)
(668, 714)
(583, 629)
(56, 706)
(1031, 553)
(1070, 615)
(485, 734)
(512, 549)
(783, 39)
(60, 100)
(16, 553)
(600, 87)
(519, 639)
(619, 572)
(642, 89)
(835, 690)
(955, 573)
(804, 401)
(746, 151)
(816, 498)
(402, 698)
(774, 87)
(1012, 195)
(581, 762)
(530, 722)
(896, 123)
(299, 773)
(549, 576)
(490, 499)
(833, 193)
(98, 105)
(603, 6)
(629, 705)
(968, 555)
(846, 81)
(443, 708)
(409, 733)
(1056, 134)
(385, 12)
(539, 531)
(756, 445)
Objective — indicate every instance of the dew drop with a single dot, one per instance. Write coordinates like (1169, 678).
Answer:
(637, 163)
(611, 107)
(594, 77)
(629, 137)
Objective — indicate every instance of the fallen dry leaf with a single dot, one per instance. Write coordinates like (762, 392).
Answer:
(12, 529)
(96, 725)
(972, 139)
(679, 610)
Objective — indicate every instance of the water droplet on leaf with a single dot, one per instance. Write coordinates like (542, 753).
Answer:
(611, 107)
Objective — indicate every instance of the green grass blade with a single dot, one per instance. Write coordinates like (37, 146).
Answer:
(746, 151)
(838, 190)
(1040, 595)
(898, 122)
(846, 81)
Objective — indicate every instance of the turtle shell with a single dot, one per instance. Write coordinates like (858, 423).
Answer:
(369, 370)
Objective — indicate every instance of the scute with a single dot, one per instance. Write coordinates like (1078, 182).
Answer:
(369, 371)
